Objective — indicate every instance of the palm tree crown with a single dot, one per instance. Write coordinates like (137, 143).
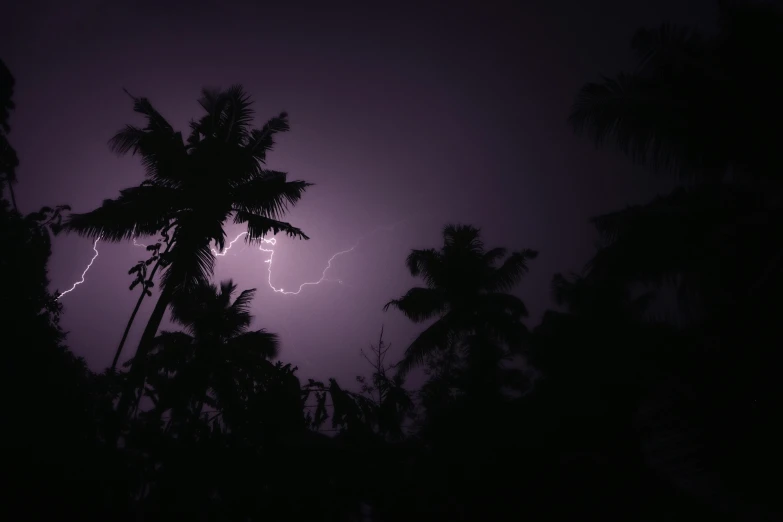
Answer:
(216, 359)
(466, 293)
(194, 186)
(705, 106)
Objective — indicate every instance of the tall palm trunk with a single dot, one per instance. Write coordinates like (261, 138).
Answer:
(11, 193)
(128, 327)
(136, 373)
(135, 311)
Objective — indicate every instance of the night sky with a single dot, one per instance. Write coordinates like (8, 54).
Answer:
(423, 114)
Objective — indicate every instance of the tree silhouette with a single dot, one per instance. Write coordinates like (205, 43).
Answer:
(8, 158)
(466, 295)
(716, 244)
(146, 281)
(677, 109)
(715, 241)
(216, 361)
(391, 401)
(193, 187)
(49, 389)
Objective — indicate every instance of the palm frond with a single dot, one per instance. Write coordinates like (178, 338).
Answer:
(228, 116)
(462, 238)
(236, 316)
(142, 210)
(194, 138)
(163, 154)
(419, 304)
(267, 193)
(507, 275)
(227, 289)
(668, 45)
(127, 140)
(242, 302)
(439, 336)
(493, 255)
(238, 115)
(428, 264)
(209, 100)
(643, 119)
(212, 101)
(262, 141)
(155, 121)
(259, 227)
(191, 264)
(208, 312)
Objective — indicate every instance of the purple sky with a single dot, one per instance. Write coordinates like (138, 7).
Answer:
(423, 114)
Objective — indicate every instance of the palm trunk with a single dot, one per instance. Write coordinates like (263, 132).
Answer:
(136, 373)
(11, 193)
(127, 329)
(135, 311)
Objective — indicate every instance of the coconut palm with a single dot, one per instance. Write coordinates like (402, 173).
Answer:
(216, 359)
(193, 188)
(680, 109)
(465, 293)
(707, 107)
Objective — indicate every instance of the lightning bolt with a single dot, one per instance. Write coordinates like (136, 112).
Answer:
(87, 269)
(84, 274)
(270, 251)
(225, 250)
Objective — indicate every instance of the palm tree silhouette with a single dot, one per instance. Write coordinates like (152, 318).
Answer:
(466, 293)
(192, 188)
(678, 110)
(215, 360)
(707, 107)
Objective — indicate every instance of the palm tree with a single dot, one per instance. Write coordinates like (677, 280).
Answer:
(675, 111)
(192, 188)
(466, 295)
(707, 107)
(216, 359)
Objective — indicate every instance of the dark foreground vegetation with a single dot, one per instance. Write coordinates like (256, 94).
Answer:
(652, 393)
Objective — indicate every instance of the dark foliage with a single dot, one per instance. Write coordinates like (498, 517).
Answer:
(8, 159)
(622, 404)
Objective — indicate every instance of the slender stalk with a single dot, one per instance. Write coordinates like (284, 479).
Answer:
(11, 193)
(135, 311)
(136, 373)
